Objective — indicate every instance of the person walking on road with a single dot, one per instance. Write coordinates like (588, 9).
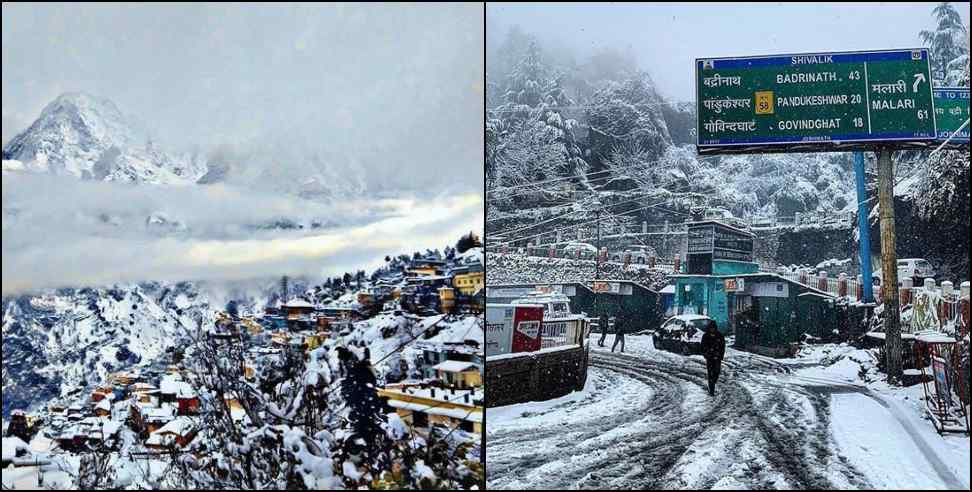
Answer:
(620, 323)
(713, 349)
(603, 323)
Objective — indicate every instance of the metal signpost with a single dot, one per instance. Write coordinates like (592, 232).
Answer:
(877, 101)
(814, 102)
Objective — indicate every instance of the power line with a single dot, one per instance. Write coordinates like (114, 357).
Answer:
(535, 183)
(641, 194)
(576, 107)
(567, 214)
(508, 241)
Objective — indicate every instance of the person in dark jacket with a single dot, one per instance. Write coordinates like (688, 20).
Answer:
(713, 349)
(620, 323)
(603, 323)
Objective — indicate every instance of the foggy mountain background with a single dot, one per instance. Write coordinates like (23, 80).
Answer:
(243, 129)
(592, 108)
(370, 87)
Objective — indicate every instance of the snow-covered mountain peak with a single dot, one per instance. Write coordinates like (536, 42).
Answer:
(88, 137)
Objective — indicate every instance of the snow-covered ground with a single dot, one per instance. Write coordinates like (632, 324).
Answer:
(514, 268)
(644, 421)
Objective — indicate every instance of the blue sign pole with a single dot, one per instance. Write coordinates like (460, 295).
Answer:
(862, 224)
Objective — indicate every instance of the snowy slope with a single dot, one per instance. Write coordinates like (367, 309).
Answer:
(59, 342)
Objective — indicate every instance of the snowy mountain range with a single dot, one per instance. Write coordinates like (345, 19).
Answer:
(57, 343)
(88, 137)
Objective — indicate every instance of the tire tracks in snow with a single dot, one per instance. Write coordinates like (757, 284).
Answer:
(647, 447)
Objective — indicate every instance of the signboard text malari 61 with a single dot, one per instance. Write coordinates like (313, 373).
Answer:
(951, 111)
(814, 102)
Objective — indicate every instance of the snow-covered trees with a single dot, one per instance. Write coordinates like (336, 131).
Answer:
(621, 140)
(527, 137)
(296, 424)
(627, 113)
(947, 41)
(468, 242)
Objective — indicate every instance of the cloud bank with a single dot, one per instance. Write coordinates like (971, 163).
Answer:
(60, 232)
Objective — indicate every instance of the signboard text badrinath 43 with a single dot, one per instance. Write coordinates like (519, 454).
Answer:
(814, 102)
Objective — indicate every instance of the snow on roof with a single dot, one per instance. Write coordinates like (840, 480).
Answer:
(935, 338)
(172, 386)
(691, 317)
(669, 289)
(11, 445)
(474, 255)
(459, 332)
(163, 413)
(104, 405)
(456, 413)
(444, 395)
(298, 303)
(455, 366)
(179, 426)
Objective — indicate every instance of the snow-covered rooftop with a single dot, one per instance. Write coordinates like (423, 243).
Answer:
(173, 386)
(10, 447)
(297, 303)
(456, 413)
(456, 366)
(179, 426)
(459, 332)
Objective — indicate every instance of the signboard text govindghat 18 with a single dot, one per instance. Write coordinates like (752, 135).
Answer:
(814, 102)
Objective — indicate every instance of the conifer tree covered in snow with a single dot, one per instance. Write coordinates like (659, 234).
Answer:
(527, 137)
(566, 132)
(946, 42)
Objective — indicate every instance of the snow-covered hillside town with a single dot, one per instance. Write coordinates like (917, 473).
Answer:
(242, 247)
(312, 357)
(727, 246)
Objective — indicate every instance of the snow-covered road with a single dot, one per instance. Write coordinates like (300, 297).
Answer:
(645, 421)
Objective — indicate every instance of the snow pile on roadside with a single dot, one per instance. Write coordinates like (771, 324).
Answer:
(838, 362)
(879, 417)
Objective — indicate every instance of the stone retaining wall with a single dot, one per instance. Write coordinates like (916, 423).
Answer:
(535, 377)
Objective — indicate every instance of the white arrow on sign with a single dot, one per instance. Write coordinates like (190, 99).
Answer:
(919, 78)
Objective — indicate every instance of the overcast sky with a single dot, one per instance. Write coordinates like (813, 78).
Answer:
(397, 87)
(667, 37)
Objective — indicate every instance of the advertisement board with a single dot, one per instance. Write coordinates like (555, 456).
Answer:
(499, 329)
(527, 321)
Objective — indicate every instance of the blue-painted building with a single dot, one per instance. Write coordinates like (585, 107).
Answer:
(727, 287)
(715, 252)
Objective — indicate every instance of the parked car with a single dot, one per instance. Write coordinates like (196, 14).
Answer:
(726, 217)
(682, 334)
(584, 248)
(913, 268)
(639, 254)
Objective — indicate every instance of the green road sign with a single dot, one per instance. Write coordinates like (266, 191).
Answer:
(814, 102)
(951, 111)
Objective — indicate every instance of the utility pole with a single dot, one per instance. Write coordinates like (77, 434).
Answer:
(889, 267)
(597, 262)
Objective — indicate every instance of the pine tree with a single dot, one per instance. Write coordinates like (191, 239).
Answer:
(468, 242)
(946, 41)
(359, 388)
